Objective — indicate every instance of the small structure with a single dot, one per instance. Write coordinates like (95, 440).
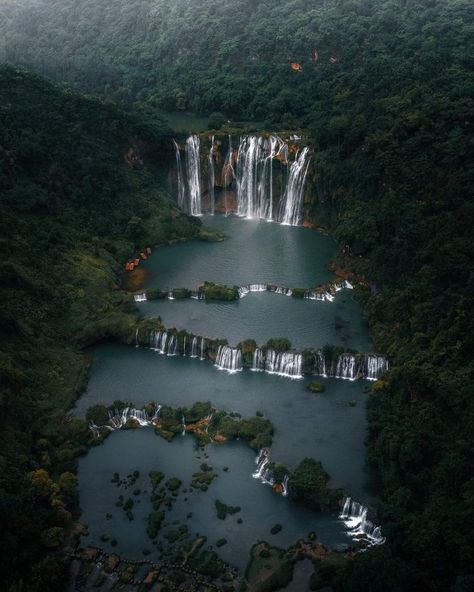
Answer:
(296, 66)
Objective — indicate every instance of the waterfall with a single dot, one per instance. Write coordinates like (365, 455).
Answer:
(184, 345)
(198, 296)
(117, 419)
(310, 295)
(203, 343)
(320, 364)
(212, 177)
(375, 365)
(291, 205)
(263, 473)
(181, 187)
(140, 297)
(257, 361)
(194, 345)
(254, 173)
(170, 295)
(228, 171)
(285, 486)
(229, 359)
(193, 169)
(257, 287)
(158, 340)
(173, 346)
(136, 338)
(243, 291)
(288, 364)
(183, 422)
(354, 516)
(284, 291)
(346, 367)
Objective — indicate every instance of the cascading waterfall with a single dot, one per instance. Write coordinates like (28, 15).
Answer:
(194, 347)
(170, 295)
(118, 419)
(347, 367)
(228, 173)
(263, 473)
(183, 422)
(291, 205)
(173, 346)
(229, 359)
(212, 177)
(193, 169)
(375, 366)
(284, 291)
(158, 340)
(184, 346)
(243, 291)
(254, 174)
(288, 364)
(354, 516)
(320, 364)
(181, 187)
(257, 361)
(203, 343)
(140, 297)
(136, 338)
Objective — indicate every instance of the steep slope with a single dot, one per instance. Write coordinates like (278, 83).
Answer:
(73, 207)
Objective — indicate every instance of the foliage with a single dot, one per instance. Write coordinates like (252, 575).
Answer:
(223, 509)
(219, 292)
(308, 484)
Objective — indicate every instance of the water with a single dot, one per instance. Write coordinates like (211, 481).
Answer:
(324, 426)
(255, 252)
(291, 206)
(141, 450)
(263, 315)
(329, 427)
(193, 170)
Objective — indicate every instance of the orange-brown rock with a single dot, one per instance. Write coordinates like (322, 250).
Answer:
(277, 487)
(219, 438)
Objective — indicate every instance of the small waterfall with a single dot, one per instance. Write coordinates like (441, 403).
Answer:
(284, 291)
(285, 486)
(291, 205)
(136, 338)
(181, 188)
(347, 367)
(173, 346)
(354, 516)
(198, 296)
(183, 422)
(158, 340)
(203, 343)
(257, 361)
(170, 295)
(257, 287)
(140, 297)
(263, 473)
(311, 295)
(212, 177)
(194, 347)
(229, 359)
(118, 419)
(184, 345)
(288, 364)
(375, 365)
(243, 291)
(320, 364)
(193, 169)
(228, 173)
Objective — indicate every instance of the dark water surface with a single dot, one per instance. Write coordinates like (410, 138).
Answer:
(324, 426)
(255, 252)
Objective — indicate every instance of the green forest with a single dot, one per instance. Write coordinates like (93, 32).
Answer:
(385, 92)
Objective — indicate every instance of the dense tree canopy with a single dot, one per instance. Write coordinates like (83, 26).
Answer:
(385, 93)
